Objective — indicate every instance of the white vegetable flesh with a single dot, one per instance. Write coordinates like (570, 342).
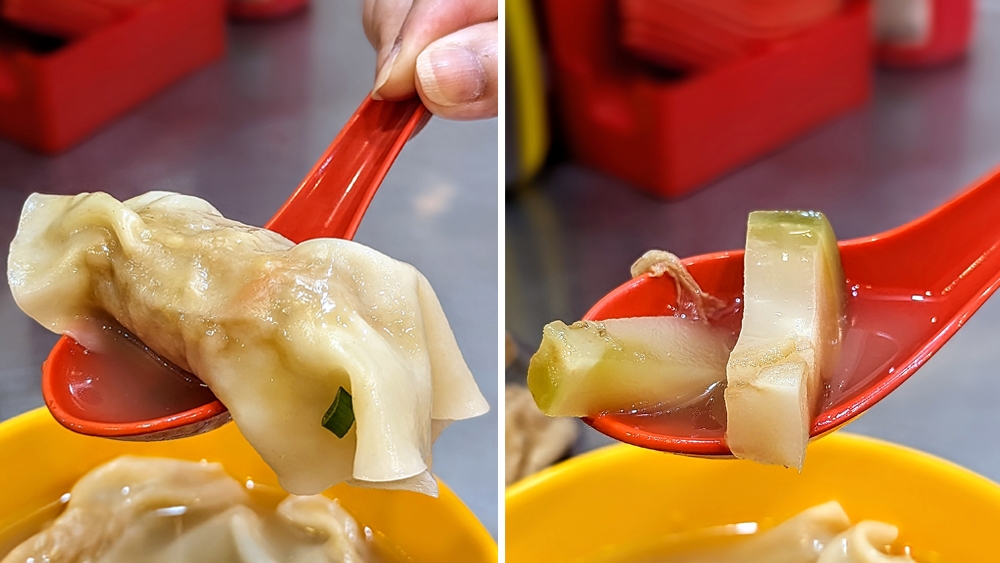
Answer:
(790, 337)
(621, 365)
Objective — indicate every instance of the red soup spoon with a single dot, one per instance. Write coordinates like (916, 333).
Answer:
(909, 290)
(125, 391)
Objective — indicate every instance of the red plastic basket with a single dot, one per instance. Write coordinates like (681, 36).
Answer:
(670, 135)
(52, 100)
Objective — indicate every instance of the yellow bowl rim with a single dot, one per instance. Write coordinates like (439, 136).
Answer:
(480, 535)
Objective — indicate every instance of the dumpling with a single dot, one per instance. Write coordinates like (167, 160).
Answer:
(273, 328)
(533, 441)
(241, 535)
(154, 510)
(799, 539)
(821, 534)
(327, 519)
(105, 502)
(863, 543)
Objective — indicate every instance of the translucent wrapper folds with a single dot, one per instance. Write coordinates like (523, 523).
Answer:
(273, 328)
(821, 534)
(157, 510)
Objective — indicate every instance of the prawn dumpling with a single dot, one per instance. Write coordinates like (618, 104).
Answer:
(157, 510)
(821, 534)
(275, 329)
(864, 543)
(105, 502)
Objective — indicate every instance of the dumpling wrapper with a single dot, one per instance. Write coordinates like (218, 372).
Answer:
(158, 510)
(821, 534)
(105, 502)
(800, 539)
(241, 535)
(273, 328)
(864, 543)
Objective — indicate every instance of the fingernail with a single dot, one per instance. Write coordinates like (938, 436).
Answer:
(451, 75)
(383, 74)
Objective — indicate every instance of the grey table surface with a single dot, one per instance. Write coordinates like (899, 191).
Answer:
(242, 133)
(925, 136)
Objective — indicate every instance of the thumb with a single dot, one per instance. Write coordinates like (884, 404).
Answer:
(457, 76)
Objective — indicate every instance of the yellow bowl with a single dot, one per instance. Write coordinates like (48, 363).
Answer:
(618, 497)
(40, 460)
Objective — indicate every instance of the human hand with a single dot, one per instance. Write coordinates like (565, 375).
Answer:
(445, 51)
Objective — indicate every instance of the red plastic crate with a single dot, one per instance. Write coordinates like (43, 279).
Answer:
(700, 34)
(50, 101)
(66, 18)
(670, 135)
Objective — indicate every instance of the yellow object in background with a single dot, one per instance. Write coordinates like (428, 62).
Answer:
(525, 66)
(41, 461)
(616, 499)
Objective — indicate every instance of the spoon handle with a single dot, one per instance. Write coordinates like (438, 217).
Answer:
(951, 251)
(333, 197)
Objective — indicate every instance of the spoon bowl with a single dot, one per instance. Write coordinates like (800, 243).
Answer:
(908, 289)
(129, 393)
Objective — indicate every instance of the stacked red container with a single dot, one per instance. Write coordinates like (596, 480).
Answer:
(265, 9)
(67, 18)
(698, 34)
(50, 101)
(671, 135)
(916, 33)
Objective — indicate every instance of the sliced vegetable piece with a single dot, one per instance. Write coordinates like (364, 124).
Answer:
(792, 324)
(623, 364)
(340, 416)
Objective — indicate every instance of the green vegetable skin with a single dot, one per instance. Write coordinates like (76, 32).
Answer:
(620, 364)
(793, 318)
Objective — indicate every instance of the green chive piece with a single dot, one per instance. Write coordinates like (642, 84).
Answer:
(340, 416)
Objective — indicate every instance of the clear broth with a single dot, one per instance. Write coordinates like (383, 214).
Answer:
(117, 378)
(876, 323)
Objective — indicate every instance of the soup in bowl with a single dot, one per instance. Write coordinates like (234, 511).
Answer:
(630, 505)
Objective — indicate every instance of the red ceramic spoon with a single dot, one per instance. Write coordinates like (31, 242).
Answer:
(127, 393)
(909, 290)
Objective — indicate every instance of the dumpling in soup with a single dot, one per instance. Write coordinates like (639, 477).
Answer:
(275, 329)
(821, 534)
(159, 510)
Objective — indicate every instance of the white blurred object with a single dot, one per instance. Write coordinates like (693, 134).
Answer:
(533, 441)
(903, 22)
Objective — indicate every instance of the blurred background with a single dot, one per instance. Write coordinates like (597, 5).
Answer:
(127, 96)
(639, 124)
